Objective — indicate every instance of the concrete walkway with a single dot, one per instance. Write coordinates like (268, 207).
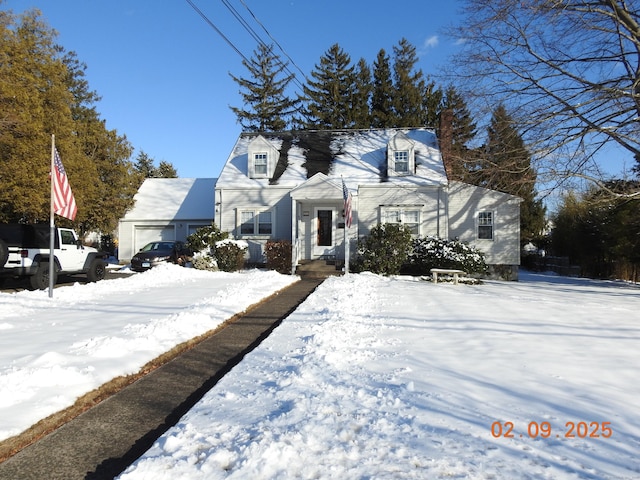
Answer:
(102, 442)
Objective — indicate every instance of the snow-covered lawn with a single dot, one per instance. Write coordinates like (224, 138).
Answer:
(371, 377)
(54, 350)
(395, 378)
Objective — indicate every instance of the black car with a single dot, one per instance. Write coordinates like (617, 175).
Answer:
(155, 253)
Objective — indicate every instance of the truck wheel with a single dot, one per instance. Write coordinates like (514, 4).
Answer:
(4, 253)
(40, 280)
(97, 270)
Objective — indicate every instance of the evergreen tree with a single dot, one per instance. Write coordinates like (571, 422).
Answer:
(329, 97)
(144, 166)
(264, 93)
(432, 105)
(463, 160)
(166, 170)
(506, 167)
(410, 87)
(600, 232)
(43, 92)
(361, 95)
(35, 103)
(382, 97)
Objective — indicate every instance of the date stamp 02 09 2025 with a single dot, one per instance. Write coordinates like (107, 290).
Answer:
(544, 430)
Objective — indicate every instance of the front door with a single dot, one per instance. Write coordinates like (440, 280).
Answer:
(324, 241)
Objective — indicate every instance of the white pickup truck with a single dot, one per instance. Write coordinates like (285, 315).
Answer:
(24, 252)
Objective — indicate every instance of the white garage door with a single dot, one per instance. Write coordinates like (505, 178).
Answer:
(146, 234)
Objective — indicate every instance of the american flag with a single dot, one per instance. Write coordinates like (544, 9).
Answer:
(347, 205)
(64, 203)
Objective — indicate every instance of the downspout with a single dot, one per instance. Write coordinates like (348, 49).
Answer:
(438, 216)
(217, 212)
(294, 239)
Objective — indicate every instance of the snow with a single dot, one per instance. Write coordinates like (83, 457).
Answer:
(54, 350)
(371, 377)
(170, 198)
(358, 157)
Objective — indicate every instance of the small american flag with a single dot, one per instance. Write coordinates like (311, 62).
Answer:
(64, 203)
(347, 205)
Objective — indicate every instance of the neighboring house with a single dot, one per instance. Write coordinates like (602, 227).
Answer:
(165, 209)
(288, 186)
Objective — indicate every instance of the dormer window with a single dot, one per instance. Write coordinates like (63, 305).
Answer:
(401, 156)
(401, 162)
(262, 157)
(260, 164)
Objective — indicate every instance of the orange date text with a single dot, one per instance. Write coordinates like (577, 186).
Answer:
(545, 430)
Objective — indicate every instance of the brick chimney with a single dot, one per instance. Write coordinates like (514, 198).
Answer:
(446, 141)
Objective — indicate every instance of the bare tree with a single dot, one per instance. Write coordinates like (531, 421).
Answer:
(568, 71)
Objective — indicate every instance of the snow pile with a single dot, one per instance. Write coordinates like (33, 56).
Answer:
(396, 378)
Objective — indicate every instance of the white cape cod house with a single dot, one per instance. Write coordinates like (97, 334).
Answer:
(288, 186)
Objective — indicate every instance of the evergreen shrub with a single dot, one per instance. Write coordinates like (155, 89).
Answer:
(213, 250)
(278, 253)
(431, 252)
(229, 254)
(384, 250)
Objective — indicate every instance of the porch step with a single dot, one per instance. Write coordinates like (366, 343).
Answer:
(319, 269)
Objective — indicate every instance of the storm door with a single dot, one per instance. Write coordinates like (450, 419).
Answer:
(325, 232)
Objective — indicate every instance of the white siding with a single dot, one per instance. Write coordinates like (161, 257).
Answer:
(229, 202)
(429, 200)
(466, 201)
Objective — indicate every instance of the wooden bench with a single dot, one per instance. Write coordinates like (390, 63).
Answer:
(447, 271)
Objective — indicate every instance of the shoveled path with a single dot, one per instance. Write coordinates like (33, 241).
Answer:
(105, 440)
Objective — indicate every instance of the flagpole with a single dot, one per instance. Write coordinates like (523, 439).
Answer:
(346, 249)
(52, 227)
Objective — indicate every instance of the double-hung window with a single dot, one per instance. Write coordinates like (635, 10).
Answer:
(254, 222)
(260, 164)
(401, 162)
(409, 217)
(485, 225)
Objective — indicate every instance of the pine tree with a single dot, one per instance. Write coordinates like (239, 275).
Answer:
(432, 104)
(329, 96)
(463, 160)
(382, 113)
(269, 109)
(361, 95)
(506, 167)
(144, 165)
(166, 170)
(410, 87)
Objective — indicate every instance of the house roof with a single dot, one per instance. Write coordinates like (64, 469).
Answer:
(357, 156)
(173, 198)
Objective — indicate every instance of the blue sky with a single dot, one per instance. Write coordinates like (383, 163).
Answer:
(163, 72)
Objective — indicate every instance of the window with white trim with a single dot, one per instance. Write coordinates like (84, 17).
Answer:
(255, 222)
(409, 217)
(260, 164)
(485, 225)
(401, 162)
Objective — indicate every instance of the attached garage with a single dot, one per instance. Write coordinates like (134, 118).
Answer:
(165, 209)
(145, 234)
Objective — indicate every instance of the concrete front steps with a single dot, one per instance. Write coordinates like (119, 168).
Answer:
(319, 268)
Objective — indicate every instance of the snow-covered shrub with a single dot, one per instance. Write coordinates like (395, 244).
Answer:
(384, 250)
(229, 254)
(431, 252)
(204, 261)
(205, 238)
(278, 253)
(215, 251)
